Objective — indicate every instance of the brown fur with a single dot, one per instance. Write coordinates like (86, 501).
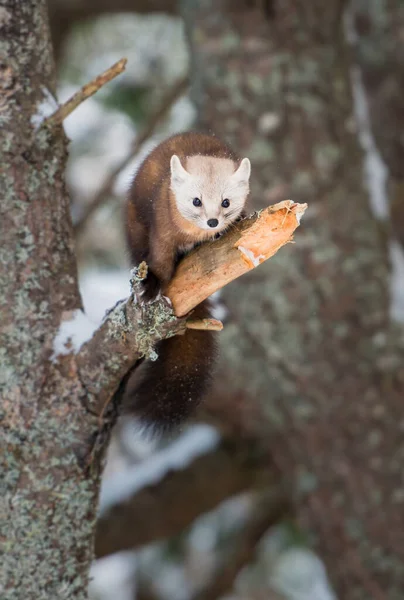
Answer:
(164, 392)
(155, 228)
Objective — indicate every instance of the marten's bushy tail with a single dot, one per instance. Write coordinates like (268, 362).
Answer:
(163, 393)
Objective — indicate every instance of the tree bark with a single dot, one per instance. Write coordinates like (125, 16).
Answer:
(315, 347)
(49, 497)
(380, 57)
(56, 399)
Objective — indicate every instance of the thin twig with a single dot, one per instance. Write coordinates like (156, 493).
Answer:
(104, 192)
(85, 92)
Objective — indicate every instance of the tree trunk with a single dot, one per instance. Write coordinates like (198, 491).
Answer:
(380, 56)
(50, 497)
(311, 336)
(56, 410)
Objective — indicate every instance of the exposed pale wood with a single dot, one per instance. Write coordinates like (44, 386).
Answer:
(251, 242)
(202, 272)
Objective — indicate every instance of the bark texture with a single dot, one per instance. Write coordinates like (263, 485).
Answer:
(51, 405)
(311, 367)
(56, 409)
(380, 56)
(49, 502)
(311, 338)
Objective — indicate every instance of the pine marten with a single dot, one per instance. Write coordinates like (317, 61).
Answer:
(187, 191)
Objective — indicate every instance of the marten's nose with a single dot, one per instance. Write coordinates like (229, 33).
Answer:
(213, 222)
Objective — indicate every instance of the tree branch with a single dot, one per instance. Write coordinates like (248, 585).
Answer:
(163, 509)
(268, 512)
(155, 119)
(85, 92)
(204, 324)
(129, 332)
(248, 244)
(131, 329)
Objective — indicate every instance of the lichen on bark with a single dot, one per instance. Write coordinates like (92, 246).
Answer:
(48, 500)
(311, 339)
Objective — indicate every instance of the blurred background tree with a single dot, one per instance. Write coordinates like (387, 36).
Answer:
(299, 447)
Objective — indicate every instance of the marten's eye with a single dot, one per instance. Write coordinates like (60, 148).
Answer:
(197, 202)
(226, 203)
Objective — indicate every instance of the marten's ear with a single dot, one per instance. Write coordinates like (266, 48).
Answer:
(242, 175)
(178, 173)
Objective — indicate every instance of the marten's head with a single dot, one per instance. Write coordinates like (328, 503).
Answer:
(210, 192)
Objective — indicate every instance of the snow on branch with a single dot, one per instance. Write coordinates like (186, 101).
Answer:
(267, 512)
(128, 333)
(193, 443)
(131, 329)
(162, 503)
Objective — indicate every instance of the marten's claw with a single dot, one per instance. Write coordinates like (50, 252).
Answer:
(151, 289)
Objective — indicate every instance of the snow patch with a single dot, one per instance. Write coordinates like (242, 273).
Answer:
(172, 582)
(45, 108)
(376, 175)
(299, 574)
(269, 122)
(218, 309)
(112, 144)
(73, 333)
(375, 170)
(256, 260)
(195, 442)
(113, 576)
(299, 213)
(101, 290)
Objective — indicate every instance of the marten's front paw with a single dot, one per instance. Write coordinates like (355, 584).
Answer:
(151, 288)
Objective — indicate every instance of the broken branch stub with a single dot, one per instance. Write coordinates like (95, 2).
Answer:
(204, 324)
(249, 243)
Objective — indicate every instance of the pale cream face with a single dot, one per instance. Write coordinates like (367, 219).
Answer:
(216, 183)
